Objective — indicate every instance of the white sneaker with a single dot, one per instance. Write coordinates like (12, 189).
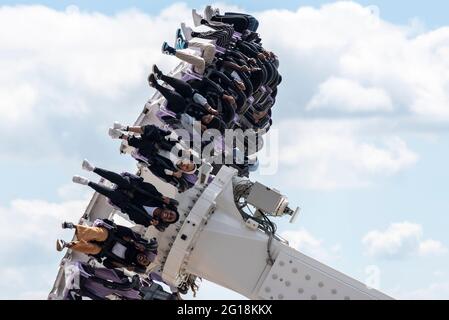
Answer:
(208, 13)
(186, 31)
(196, 18)
(80, 180)
(87, 165)
(141, 166)
(60, 244)
(118, 125)
(115, 133)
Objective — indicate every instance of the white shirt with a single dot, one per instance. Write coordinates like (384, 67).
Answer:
(236, 76)
(150, 210)
(119, 250)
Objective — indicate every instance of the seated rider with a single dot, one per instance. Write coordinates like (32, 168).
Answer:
(138, 199)
(114, 245)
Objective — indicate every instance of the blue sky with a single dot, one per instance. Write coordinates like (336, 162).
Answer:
(373, 168)
(432, 12)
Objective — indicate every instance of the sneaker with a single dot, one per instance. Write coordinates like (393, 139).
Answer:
(186, 31)
(87, 165)
(166, 49)
(196, 18)
(208, 13)
(157, 72)
(68, 225)
(118, 126)
(115, 133)
(180, 43)
(141, 166)
(60, 245)
(80, 180)
(152, 80)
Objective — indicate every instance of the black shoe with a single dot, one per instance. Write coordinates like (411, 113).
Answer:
(152, 80)
(180, 42)
(157, 72)
(183, 289)
(68, 225)
(166, 49)
(179, 35)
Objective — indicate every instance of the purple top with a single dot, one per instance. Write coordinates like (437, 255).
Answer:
(192, 75)
(220, 49)
(237, 35)
(100, 290)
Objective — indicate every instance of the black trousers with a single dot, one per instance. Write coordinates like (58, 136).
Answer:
(175, 102)
(135, 212)
(180, 86)
(141, 193)
(116, 197)
(227, 112)
(155, 136)
(115, 178)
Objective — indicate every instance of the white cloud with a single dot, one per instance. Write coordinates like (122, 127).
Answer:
(433, 291)
(15, 101)
(36, 222)
(431, 247)
(350, 96)
(30, 281)
(401, 240)
(99, 54)
(73, 191)
(306, 243)
(376, 64)
(439, 273)
(66, 75)
(331, 154)
(28, 233)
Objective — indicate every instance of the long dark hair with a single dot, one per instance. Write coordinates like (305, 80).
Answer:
(217, 123)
